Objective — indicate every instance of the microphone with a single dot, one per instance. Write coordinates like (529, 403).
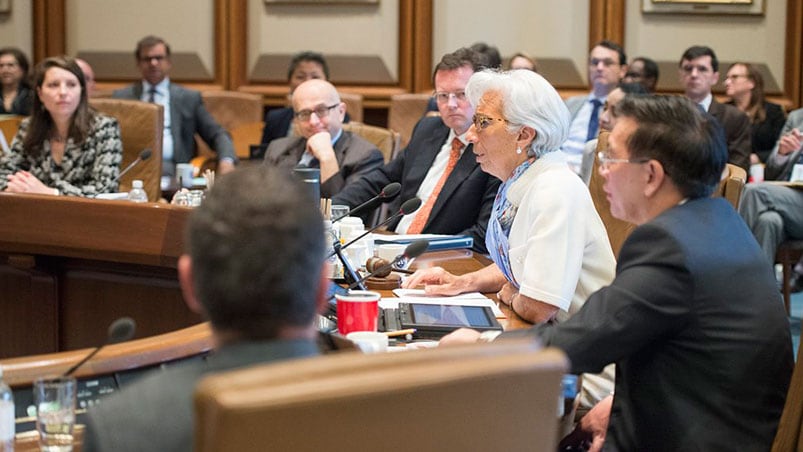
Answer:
(388, 192)
(144, 155)
(413, 250)
(407, 207)
(120, 330)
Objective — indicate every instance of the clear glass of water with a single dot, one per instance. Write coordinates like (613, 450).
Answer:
(54, 398)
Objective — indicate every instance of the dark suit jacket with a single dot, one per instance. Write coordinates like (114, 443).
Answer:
(774, 170)
(156, 412)
(188, 116)
(737, 133)
(465, 201)
(695, 324)
(277, 123)
(355, 157)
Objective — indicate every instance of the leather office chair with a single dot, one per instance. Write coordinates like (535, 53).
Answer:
(405, 112)
(618, 230)
(244, 135)
(9, 125)
(232, 110)
(732, 185)
(789, 436)
(498, 396)
(353, 105)
(141, 127)
(386, 140)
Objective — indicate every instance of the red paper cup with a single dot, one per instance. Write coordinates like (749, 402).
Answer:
(357, 311)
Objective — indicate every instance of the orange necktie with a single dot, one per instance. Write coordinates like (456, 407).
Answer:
(423, 214)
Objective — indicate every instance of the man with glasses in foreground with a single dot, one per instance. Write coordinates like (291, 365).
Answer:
(184, 111)
(692, 320)
(438, 164)
(607, 64)
(342, 156)
(699, 72)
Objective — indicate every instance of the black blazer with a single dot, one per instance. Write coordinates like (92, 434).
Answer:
(765, 134)
(465, 201)
(737, 133)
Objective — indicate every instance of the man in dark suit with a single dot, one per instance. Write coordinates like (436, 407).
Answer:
(279, 121)
(699, 72)
(772, 211)
(342, 156)
(185, 114)
(260, 312)
(693, 319)
(464, 200)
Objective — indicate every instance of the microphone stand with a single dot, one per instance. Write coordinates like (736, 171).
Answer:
(349, 274)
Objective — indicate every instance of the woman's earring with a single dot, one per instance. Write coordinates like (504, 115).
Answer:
(518, 150)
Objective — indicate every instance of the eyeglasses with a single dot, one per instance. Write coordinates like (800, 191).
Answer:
(607, 62)
(320, 112)
(736, 76)
(443, 97)
(158, 58)
(482, 121)
(605, 162)
(8, 65)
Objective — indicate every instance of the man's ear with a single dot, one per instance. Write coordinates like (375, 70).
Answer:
(655, 178)
(321, 298)
(187, 288)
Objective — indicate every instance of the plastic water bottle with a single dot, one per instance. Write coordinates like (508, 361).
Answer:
(7, 425)
(331, 238)
(137, 193)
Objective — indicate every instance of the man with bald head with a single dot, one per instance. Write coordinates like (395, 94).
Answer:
(89, 76)
(341, 156)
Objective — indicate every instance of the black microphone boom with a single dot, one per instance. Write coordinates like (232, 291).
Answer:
(144, 155)
(120, 330)
(388, 192)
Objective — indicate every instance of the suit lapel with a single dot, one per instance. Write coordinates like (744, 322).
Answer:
(462, 170)
(425, 154)
(179, 147)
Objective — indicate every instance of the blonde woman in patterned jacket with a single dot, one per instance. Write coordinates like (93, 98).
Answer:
(64, 147)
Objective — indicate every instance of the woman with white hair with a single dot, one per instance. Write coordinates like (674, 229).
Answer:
(549, 246)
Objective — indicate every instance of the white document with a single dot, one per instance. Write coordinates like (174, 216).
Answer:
(418, 296)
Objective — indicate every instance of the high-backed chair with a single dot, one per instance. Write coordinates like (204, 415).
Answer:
(618, 230)
(386, 140)
(233, 110)
(498, 396)
(353, 105)
(9, 125)
(788, 254)
(732, 184)
(141, 127)
(405, 112)
(789, 436)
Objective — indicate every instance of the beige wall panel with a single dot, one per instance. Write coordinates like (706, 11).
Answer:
(117, 25)
(664, 37)
(546, 29)
(353, 30)
(16, 28)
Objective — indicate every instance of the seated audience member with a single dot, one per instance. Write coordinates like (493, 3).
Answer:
(691, 311)
(303, 66)
(643, 70)
(745, 86)
(699, 72)
(773, 212)
(549, 246)
(89, 76)
(607, 64)
(438, 165)
(521, 60)
(64, 147)
(342, 156)
(17, 95)
(184, 111)
(488, 57)
(260, 312)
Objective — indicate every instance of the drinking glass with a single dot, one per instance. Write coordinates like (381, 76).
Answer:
(54, 398)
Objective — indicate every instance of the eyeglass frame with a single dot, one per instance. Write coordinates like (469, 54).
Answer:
(737, 76)
(479, 116)
(320, 112)
(605, 162)
(443, 97)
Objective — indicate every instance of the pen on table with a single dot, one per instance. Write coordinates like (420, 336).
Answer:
(400, 332)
